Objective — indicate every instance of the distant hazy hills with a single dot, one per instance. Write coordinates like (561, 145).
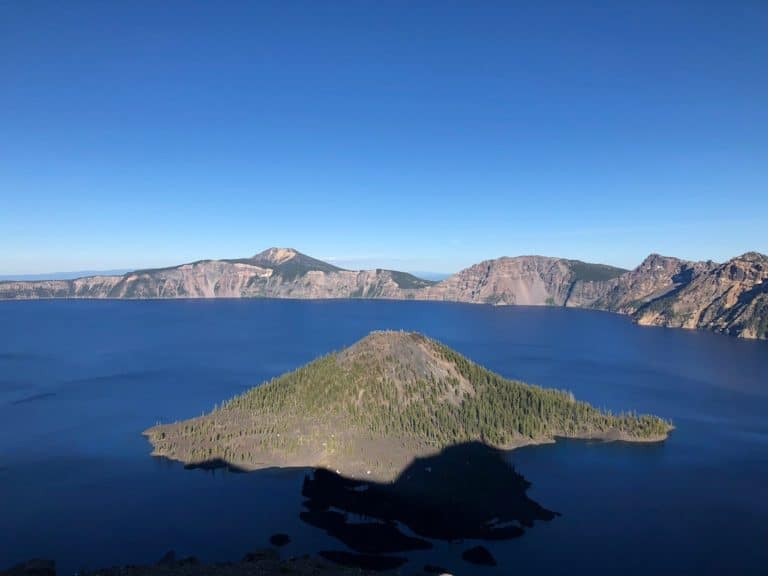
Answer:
(731, 298)
(63, 275)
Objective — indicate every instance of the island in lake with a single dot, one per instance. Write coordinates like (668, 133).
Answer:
(369, 410)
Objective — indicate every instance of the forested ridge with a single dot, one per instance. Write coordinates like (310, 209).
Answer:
(390, 385)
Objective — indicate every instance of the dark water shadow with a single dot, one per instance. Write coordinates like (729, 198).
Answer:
(32, 398)
(216, 464)
(363, 561)
(467, 491)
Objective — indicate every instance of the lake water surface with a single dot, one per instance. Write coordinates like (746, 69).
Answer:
(80, 380)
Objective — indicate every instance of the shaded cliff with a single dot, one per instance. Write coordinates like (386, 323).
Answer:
(731, 298)
(655, 277)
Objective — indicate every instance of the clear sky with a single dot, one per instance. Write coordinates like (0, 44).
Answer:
(418, 135)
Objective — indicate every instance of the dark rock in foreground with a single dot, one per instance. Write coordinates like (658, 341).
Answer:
(374, 562)
(257, 563)
(479, 555)
(36, 567)
(167, 559)
(433, 569)
(279, 539)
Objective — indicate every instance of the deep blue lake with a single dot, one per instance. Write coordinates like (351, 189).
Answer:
(80, 380)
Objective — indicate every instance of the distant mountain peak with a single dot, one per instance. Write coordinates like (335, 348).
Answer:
(276, 255)
(655, 258)
(290, 263)
(752, 257)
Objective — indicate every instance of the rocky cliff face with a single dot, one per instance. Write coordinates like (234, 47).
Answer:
(91, 287)
(274, 273)
(655, 277)
(731, 298)
(525, 280)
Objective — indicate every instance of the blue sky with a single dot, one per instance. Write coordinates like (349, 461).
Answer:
(417, 135)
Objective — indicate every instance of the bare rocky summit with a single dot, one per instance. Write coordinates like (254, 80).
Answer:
(662, 291)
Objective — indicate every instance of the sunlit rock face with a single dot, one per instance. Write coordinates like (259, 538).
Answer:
(731, 298)
(524, 280)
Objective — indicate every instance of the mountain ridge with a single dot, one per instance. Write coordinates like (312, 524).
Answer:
(729, 297)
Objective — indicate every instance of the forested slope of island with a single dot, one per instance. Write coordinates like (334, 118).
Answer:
(368, 410)
(731, 298)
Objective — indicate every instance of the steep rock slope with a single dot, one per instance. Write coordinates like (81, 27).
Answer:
(522, 280)
(657, 276)
(731, 298)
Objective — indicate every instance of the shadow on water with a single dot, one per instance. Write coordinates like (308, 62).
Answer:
(216, 464)
(467, 491)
